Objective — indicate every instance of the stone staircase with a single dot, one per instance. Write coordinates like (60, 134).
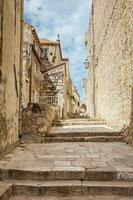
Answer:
(82, 130)
(70, 170)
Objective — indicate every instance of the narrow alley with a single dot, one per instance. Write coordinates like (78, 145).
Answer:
(66, 115)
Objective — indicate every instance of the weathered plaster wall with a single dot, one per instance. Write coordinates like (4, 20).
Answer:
(128, 131)
(113, 40)
(31, 66)
(53, 52)
(9, 84)
(26, 82)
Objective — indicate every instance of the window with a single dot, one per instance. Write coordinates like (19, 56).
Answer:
(45, 52)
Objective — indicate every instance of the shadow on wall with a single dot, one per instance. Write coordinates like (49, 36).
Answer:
(131, 123)
(128, 131)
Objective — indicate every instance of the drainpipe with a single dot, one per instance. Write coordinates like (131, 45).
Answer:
(94, 78)
(21, 69)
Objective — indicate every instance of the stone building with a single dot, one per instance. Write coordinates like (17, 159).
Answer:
(57, 86)
(46, 76)
(52, 51)
(109, 62)
(10, 71)
(32, 75)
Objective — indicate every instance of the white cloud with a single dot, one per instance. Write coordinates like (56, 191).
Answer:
(69, 18)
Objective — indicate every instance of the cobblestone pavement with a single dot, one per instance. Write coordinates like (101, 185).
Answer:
(72, 198)
(70, 156)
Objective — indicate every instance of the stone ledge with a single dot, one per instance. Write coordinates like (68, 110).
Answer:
(37, 120)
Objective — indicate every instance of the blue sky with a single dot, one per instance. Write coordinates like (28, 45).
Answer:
(70, 19)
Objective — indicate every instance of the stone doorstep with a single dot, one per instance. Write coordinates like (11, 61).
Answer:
(72, 187)
(83, 139)
(68, 173)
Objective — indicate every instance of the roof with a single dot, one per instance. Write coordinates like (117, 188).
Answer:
(34, 34)
(54, 67)
(65, 59)
(49, 42)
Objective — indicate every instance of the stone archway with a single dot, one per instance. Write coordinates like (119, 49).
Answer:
(83, 109)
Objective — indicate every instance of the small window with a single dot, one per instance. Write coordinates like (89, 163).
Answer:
(51, 53)
(45, 52)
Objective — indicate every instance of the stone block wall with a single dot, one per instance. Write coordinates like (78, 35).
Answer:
(54, 86)
(53, 81)
(113, 39)
(128, 131)
(37, 120)
(9, 73)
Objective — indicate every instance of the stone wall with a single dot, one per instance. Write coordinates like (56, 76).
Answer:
(9, 73)
(37, 119)
(52, 50)
(54, 88)
(112, 24)
(128, 131)
(31, 65)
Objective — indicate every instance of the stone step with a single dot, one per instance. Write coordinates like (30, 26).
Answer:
(82, 134)
(71, 197)
(72, 187)
(89, 129)
(78, 123)
(83, 139)
(5, 191)
(69, 173)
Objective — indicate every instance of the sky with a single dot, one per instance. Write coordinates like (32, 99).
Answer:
(69, 19)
